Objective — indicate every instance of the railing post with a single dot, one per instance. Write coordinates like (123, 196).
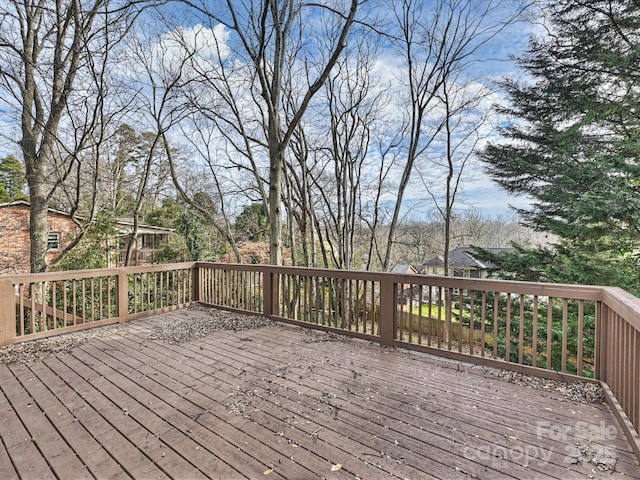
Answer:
(123, 295)
(195, 283)
(271, 304)
(387, 311)
(600, 354)
(7, 312)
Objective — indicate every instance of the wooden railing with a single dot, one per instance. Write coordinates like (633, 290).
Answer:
(48, 304)
(564, 332)
(618, 356)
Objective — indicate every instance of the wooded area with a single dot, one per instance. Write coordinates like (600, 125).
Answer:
(311, 126)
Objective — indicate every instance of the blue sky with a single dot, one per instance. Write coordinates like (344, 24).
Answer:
(479, 192)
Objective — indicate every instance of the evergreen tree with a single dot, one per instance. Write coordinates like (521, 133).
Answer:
(12, 180)
(573, 144)
(192, 226)
(252, 223)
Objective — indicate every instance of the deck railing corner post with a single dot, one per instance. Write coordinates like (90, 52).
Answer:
(195, 283)
(387, 311)
(122, 294)
(7, 312)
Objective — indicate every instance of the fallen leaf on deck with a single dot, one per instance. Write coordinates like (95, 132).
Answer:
(268, 472)
(336, 467)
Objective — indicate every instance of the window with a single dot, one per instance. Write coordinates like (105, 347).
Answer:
(53, 241)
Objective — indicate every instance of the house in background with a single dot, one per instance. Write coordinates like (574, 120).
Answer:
(15, 242)
(403, 268)
(406, 292)
(462, 263)
(14, 236)
(255, 252)
(150, 238)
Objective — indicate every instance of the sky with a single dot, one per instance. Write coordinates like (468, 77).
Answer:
(478, 192)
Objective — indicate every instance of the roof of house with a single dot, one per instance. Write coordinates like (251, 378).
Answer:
(124, 225)
(463, 257)
(403, 268)
(127, 228)
(26, 204)
(434, 262)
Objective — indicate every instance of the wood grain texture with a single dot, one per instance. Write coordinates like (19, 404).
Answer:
(290, 404)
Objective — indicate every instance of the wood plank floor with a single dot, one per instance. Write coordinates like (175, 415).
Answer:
(280, 403)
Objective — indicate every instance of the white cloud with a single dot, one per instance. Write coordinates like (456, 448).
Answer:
(179, 53)
(199, 41)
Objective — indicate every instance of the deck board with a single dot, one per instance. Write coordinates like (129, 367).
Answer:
(395, 410)
(484, 401)
(251, 428)
(43, 425)
(123, 440)
(182, 414)
(367, 432)
(86, 447)
(276, 403)
(18, 445)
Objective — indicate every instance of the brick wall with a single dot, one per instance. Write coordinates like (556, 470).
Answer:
(14, 237)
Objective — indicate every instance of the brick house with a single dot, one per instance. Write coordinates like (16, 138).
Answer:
(15, 242)
(14, 236)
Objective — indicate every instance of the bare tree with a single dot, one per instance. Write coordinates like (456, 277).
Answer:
(168, 66)
(269, 32)
(374, 214)
(345, 183)
(210, 180)
(433, 42)
(464, 128)
(53, 59)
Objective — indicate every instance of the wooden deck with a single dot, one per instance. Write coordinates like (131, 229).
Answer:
(278, 402)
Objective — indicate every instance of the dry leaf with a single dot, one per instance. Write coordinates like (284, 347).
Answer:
(336, 467)
(268, 472)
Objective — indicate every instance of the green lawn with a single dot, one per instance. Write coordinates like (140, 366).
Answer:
(442, 311)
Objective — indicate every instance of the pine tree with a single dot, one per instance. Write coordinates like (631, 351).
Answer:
(573, 144)
(12, 180)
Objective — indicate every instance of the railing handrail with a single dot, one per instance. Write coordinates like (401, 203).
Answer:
(98, 272)
(623, 303)
(586, 292)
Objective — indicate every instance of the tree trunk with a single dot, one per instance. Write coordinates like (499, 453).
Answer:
(38, 227)
(275, 208)
(50, 46)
